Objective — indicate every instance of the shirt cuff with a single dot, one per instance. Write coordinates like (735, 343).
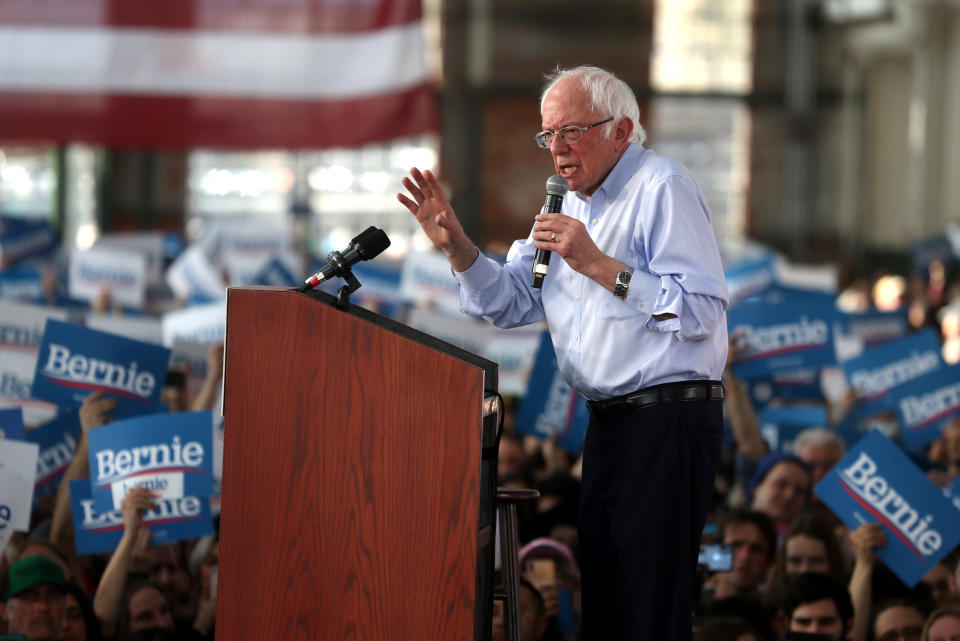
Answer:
(481, 273)
(643, 291)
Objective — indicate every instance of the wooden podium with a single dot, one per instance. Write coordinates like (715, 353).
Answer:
(358, 477)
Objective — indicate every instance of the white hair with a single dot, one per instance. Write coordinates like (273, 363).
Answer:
(608, 95)
(818, 437)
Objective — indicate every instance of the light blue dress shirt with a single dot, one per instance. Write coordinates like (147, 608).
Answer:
(651, 215)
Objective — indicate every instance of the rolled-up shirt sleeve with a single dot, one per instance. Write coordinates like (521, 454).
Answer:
(684, 271)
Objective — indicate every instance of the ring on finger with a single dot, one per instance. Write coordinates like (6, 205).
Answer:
(553, 237)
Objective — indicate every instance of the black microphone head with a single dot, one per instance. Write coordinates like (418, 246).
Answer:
(557, 185)
(371, 243)
(368, 230)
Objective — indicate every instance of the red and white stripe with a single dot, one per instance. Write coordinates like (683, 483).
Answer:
(213, 73)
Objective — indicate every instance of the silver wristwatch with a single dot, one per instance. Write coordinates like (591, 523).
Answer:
(623, 282)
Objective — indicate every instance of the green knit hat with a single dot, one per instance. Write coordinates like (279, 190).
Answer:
(35, 570)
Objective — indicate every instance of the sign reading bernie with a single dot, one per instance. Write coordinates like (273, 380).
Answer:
(57, 440)
(172, 520)
(782, 337)
(880, 369)
(876, 482)
(74, 361)
(926, 404)
(170, 454)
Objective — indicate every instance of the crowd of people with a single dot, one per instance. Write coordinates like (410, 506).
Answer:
(794, 567)
(139, 592)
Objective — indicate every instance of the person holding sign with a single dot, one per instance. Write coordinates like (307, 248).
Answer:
(108, 602)
(635, 302)
(94, 412)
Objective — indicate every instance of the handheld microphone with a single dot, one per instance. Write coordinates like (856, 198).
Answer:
(556, 188)
(364, 246)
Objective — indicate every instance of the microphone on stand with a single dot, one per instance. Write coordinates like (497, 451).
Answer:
(364, 246)
(556, 188)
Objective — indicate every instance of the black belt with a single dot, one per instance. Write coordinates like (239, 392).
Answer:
(612, 408)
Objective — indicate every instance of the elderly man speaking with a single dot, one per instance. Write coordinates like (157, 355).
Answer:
(635, 306)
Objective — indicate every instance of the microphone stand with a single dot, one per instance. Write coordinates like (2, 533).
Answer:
(343, 295)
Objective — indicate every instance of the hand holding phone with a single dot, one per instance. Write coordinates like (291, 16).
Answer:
(716, 557)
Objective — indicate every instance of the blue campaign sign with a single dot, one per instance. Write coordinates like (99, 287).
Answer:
(74, 361)
(882, 367)
(779, 426)
(21, 283)
(782, 336)
(778, 294)
(953, 492)
(172, 520)
(796, 384)
(550, 407)
(749, 278)
(57, 440)
(275, 273)
(925, 405)
(853, 427)
(876, 482)
(11, 424)
(380, 280)
(22, 238)
(171, 454)
(875, 326)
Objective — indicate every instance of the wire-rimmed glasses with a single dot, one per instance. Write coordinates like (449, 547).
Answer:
(569, 135)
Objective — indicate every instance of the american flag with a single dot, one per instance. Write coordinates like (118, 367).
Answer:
(213, 73)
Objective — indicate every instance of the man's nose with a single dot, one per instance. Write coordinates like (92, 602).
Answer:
(557, 144)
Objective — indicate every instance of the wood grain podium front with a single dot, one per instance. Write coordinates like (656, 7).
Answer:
(358, 477)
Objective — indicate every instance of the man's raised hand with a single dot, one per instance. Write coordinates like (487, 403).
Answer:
(439, 222)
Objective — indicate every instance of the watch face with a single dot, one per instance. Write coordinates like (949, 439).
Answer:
(623, 281)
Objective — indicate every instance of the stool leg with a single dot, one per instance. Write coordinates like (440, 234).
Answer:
(510, 566)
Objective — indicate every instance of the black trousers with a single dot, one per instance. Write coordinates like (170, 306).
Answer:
(647, 481)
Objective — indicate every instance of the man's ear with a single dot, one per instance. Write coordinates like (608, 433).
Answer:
(622, 131)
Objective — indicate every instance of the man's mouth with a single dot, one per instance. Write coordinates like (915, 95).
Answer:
(568, 170)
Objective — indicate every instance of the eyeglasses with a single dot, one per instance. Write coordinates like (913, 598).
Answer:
(569, 135)
(908, 633)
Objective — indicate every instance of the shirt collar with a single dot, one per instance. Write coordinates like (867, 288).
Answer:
(623, 171)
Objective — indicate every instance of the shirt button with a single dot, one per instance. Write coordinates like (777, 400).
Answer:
(594, 221)
(578, 298)
(639, 305)
(576, 337)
